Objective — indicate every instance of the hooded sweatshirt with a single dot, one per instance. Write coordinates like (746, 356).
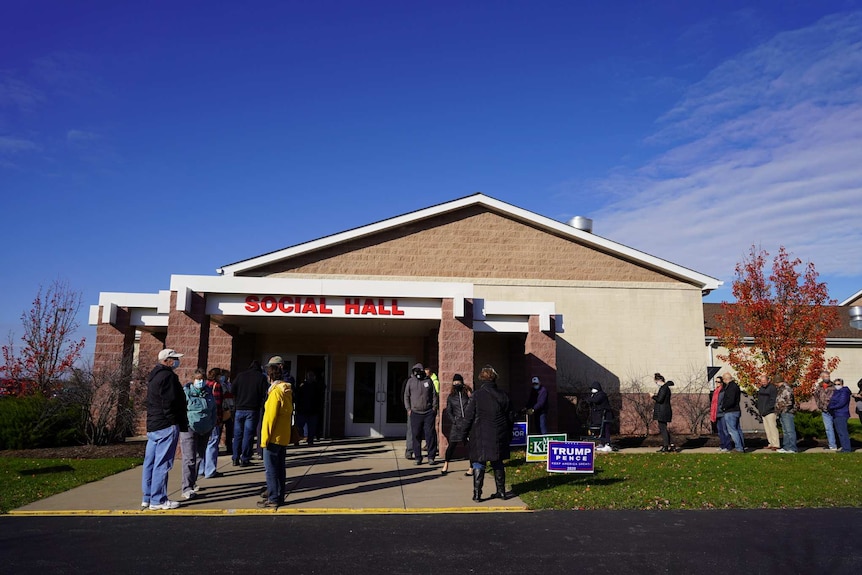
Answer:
(419, 394)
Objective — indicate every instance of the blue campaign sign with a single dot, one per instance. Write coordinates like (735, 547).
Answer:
(519, 434)
(571, 456)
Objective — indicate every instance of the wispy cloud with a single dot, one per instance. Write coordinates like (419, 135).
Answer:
(766, 150)
(74, 136)
(14, 145)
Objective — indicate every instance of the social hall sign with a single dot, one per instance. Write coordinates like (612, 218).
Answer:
(571, 456)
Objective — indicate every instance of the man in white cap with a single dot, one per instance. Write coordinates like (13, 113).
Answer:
(537, 407)
(166, 417)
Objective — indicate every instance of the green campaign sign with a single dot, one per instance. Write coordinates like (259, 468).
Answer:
(537, 445)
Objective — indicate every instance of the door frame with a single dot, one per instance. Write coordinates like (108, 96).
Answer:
(379, 427)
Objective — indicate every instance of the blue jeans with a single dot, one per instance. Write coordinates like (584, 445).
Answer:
(843, 433)
(495, 465)
(830, 428)
(541, 421)
(789, 428)
(731, 420)
(210, 459)
(158, 461)
(244, 428)
(307, 424)
(724, 440)
(276, 471)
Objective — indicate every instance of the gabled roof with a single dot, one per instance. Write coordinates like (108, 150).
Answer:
(711, 311)
(852, 298)
(706, 283)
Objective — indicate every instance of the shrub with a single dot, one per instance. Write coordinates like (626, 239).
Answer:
(34, 421)
(809, 424)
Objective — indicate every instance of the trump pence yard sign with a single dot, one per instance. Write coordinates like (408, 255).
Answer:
(571, 456)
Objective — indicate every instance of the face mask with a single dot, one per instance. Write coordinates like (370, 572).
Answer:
(176, 363)
(199, 383)
(457, 385)
(594, 390)
(536, 386)
(221, 379)
(657, 382)
(838, 386)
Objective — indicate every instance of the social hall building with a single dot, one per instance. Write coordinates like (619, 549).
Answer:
(454, 286)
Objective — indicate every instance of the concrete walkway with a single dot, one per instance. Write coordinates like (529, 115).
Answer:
(345, 476)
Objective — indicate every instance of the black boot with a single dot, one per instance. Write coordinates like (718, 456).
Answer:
(478, 481)
(500, 480)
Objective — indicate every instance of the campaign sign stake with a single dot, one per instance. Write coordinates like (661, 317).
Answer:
(571, 456)
(519, 434)
(537, 445)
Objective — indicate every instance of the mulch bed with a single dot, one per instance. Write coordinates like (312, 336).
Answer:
(129, 449)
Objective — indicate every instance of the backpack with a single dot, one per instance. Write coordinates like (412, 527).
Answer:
(200, 405)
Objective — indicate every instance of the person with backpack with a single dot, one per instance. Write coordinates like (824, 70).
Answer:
(201, 412)
(785, 407)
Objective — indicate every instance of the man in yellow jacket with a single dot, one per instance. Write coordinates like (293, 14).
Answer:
(275, 436)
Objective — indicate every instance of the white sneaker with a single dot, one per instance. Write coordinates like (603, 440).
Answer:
(168, 504)
(190, 494)
(723, 450)
(782, 450)
(196, 488)
(145, 504)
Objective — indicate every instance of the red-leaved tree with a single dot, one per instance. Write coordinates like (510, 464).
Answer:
(48, 350)
(778, 325)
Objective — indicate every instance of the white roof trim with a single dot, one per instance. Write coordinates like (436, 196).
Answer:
(704, 281)
(852, 298)
(110, 301)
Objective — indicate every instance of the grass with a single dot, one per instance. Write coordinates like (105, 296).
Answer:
(693, 481)
(28, 480)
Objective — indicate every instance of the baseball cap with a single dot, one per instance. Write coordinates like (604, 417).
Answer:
(168, 353)
(275, 360)
(536, 380)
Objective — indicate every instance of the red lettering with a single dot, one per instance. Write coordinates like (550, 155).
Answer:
(251, 303)
(283, 304)
(323, 308)
(351, 306)
(310, 305)
(369, 308)
(395, 310)
(268, 304)
(381, 307)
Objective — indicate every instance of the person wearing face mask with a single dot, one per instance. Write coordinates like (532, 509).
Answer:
(456, 406)
(537, 407)
(663, 412)
(822, 396)
(210, 459)
(201, 414)
(601, 416)
(166, 418)
(839, 409)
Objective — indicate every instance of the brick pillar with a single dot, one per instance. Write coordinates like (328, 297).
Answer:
(220, 346)
(455, 354)
(540, 350)
(114, 342)
(188, 333)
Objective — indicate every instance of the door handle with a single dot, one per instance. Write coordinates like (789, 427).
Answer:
(381, 397)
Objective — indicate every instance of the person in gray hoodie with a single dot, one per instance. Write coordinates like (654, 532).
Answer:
(421, 401)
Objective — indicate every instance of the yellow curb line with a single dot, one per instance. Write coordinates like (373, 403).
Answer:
(281, 511)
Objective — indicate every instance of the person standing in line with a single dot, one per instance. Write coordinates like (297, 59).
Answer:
(822, 395)
(210, 459)
(456, 410)
(858, 398)
(537, 406)
(228, 410)
(305, 399)
(166, 418)
(785, 407)
(663, 413)
(766, 394)
(730, 408)
(201, 414)
(421, 402)
(839, 409)
(249, 391)
(716, 415)
(275, 436)
(488, 424)
(601, 416)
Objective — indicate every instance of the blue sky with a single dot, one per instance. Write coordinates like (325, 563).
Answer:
(140, 141)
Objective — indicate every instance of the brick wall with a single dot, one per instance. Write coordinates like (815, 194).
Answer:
(540, 349)
(188, 333)
(113, 342)
(455, 348)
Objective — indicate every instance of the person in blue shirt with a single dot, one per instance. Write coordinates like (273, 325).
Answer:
(537, 407)
(839, 409)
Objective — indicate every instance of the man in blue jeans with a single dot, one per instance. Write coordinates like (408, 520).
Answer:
(166, 417)
(730, 407)
(822, 395)
(249, 390)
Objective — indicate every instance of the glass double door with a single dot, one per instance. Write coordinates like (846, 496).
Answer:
(375, 403)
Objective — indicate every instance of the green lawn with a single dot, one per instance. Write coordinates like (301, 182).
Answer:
(28, 480)
(694, 481)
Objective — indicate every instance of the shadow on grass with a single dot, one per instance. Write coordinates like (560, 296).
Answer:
(47, 470)
(553, 481)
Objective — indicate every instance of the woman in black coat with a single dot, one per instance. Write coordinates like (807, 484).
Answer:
(663, 413)
(456, 411)
(601, 415)
(488, 423)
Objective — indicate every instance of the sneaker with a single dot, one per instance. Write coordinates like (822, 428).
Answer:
(832, 448)
(432, 461)
(196, 488)
(145, 504)
(168, 504)
(190, 494)
(267, 504)
(723, 450)
(214, 475)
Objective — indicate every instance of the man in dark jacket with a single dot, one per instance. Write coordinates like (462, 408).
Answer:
(421, 402)
(249, 390)
(601, 416)
(537, 407)
(766, 395)
(488, 423)
(166, 417)
(730, 407)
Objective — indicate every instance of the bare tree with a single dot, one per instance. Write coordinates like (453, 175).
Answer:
(49, 350)
(638, 397)
(692, 399)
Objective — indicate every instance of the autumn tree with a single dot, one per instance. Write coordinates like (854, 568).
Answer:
(778, 324)
(48, 350)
